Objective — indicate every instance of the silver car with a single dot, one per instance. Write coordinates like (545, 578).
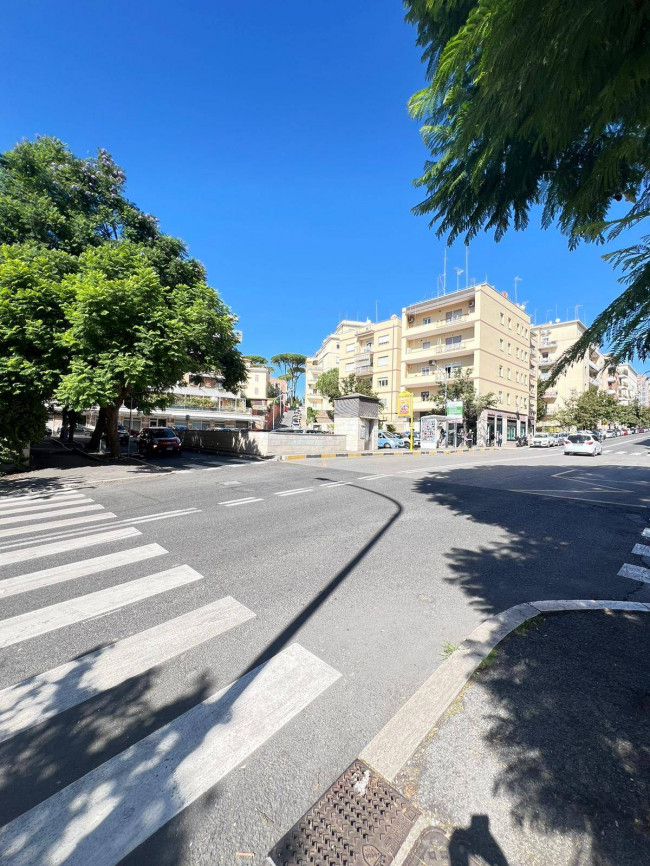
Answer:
(583, 442)
(542, 440)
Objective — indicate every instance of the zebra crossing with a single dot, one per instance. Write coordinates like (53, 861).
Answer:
(104, 814)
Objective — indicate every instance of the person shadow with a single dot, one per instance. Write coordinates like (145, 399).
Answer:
(467, 844)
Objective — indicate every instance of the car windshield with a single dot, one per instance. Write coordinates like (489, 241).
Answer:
(163, 433)
(578, 438)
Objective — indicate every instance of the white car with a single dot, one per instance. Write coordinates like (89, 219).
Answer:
(542, 440)
(583, 442)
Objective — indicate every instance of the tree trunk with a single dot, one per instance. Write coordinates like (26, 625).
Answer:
(72, 424)
(64, 424)
(112, 438)
(100, 428)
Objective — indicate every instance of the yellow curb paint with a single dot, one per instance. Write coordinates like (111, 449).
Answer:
(327, 455)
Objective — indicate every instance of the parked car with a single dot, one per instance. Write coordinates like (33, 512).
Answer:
(597, 434)
(389, 440)
(542, 440)
(582, 442)
(406, 437)
(159, 440)
(609, 434)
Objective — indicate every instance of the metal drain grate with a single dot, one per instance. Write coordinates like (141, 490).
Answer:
(360, 821)
(434, 848)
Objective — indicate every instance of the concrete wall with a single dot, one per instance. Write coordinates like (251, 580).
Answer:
(262, 444)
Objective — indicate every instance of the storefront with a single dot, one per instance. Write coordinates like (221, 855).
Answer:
(508, 425)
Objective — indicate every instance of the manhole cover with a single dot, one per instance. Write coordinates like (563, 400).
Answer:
(360, 821)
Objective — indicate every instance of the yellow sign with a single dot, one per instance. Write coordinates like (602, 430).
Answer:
(405, 404)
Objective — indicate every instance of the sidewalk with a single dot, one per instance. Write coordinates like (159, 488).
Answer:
(544, 759)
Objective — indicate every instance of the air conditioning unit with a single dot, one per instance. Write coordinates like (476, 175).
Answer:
(470, 303)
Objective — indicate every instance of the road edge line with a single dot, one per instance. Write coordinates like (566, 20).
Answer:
(397, 741)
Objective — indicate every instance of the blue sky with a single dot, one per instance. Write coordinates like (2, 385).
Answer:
(273, 137)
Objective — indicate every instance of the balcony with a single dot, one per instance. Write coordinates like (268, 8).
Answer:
(363, 370)
(594, 366)
(551, 394)
(547, 342)
(441, 351)
(438, 325)
(362, 358)
(612, 391)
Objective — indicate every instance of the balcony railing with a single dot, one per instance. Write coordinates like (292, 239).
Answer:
(442, 323)
(550, 394)
(363, 370)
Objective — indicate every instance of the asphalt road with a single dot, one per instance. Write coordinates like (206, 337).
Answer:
(204, 673)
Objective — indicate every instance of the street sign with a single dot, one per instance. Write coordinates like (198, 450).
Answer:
(405, 404)
(455, 409)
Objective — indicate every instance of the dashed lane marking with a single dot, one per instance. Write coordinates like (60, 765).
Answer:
(247, 501)
(295, 491)
(635, 572)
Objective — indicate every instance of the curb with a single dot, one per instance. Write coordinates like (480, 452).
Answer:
(392, 747)
(385, 452)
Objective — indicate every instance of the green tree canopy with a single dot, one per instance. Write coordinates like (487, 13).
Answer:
(292, 366)
(78, 267)
(327, 384)
(257, 360)
(588, 410)
(331, 386)
(541, 102)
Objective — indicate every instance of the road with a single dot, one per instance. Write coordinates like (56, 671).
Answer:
(190, 656)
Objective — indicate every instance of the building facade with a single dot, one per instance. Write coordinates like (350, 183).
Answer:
(643, 389)
(478, 331)
(621, 381)
(553, 339)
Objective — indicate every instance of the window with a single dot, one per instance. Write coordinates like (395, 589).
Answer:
(508, 372)
(516, 377)
(368, 344)
(510, 348)
(517, 351)
(517, 400)
(338, 345)
(425, 370)
(453, 341)
(501, 345)
(509, 323)
(426, 320)
(518, 328)
(426, 344)
(349, 367)
(500, 396)
(501, 318)
(384, 340)
(349, 347)
(257, 391)
(454, 315)
(508, 398)
(382, 383)
(382, 403)
(382, 361)
(501, 371)
(424, 395)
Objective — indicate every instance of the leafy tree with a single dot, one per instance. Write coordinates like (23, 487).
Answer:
(292, 366)
(128, 333)
(542, 406)
(588, 410)
(32, 324)
(257, 360)
(541, 102)
(55, 210)
(312, 415)
(357, 385)
(327, 384)
(272, 391)
(461, 387)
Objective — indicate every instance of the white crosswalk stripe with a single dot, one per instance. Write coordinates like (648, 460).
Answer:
(42, 697)
(37, 622)
(42, 496)
(106, 814)
(63, 573)
(12, 557)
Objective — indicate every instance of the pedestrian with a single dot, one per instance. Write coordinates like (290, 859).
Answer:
(441, 439)
(499, 439)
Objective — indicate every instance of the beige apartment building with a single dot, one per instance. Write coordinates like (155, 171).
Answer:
(255, 388)
(622, 383)
(477, 330)
(553, 339)
(364, 349)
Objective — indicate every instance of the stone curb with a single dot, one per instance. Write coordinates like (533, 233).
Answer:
(385, 452)
(392, 747)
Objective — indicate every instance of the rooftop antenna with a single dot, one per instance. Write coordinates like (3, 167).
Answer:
(444, 273)
(577, 307)
(547, 316)
(517, 280)
(466, 266)
(459, 271)
(535, 316)
(376, 308)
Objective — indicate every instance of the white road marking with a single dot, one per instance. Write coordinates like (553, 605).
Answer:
(67, 545)
(581, 499)
(371, 477)
(56, 524)
(246, 501)
(337, 483)
(22, 518)
(44, 696)
(294, 491)
(12, 508)
(641, 550)
(42, 496)
(635, 572)
(83, 568)
(45, 619)
(646, 533)
(106, 814)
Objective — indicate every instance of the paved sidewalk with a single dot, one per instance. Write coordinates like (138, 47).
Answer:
(544, 759)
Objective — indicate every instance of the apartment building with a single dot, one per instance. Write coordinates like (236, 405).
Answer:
(553, 339)
(621, 381)
(364, 349)
(480, 331)
(256, 385)
(643, 389)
